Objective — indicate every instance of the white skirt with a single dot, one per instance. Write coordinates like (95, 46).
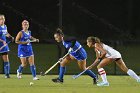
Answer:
(112, 53)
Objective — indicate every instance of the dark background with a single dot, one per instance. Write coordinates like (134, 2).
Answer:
(116, 22)
(107, 19)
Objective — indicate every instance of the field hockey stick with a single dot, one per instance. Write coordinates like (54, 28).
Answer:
(32, 40)
(5, 45)
(78, 75)
(54, 65)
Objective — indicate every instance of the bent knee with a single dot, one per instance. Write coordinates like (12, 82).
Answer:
(63, 64)
(125, 69)
(82, 68)
(24, 65)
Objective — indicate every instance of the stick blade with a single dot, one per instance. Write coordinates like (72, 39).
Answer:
(74, 76)
(42, 74)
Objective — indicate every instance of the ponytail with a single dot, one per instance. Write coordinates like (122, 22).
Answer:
(94, 39)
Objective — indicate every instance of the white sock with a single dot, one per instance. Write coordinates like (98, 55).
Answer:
(133, 74)
(102, 74)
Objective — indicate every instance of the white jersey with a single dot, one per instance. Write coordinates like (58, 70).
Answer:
(111, 53)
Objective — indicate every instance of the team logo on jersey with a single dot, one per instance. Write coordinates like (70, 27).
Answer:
(21, 55)
(67, 45)
(4, 32)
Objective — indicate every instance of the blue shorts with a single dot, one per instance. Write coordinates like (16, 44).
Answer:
(4, 49)
(80, 54)
(25, 51)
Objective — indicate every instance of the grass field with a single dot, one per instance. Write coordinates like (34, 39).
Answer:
(118, 84)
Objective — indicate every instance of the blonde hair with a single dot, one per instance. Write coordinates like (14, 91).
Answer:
(1, 15)
(94, 39)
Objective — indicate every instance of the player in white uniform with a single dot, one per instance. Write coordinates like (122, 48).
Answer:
(105, 55)
(110, 52)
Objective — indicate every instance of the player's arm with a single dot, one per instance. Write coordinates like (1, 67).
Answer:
(102, 51)
(71, 45)
(10, 37)
(19, 35)
(96, 61)
(94, 64)
(2, 41)
(72, 42)
(34, 39)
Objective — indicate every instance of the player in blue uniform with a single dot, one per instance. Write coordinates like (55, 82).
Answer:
(25, 51)
(77, 52)
(4, 50)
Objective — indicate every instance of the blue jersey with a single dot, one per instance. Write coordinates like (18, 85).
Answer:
(78, 51)
(25, 50)
(3, 32)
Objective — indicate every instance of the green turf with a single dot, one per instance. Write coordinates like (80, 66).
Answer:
(118, 84)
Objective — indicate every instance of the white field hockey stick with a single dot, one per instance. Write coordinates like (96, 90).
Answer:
(32, 41)
(4, 45)
(54, 65)
(76, 76)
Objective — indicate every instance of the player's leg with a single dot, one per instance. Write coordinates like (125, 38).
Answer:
(32, 67)
(62, 70)
(130, 72)
(21, 66)
(102, 72)
(6, 64)
(82, 66)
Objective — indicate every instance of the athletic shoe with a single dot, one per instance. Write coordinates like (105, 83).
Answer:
(18, 75)
(95, 80)
(35, 78)
(57, 80)
(103, 84)
(7, 76)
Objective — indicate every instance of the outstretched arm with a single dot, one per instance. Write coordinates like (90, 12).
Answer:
(97, 60)
(2, 41)
(10, 37)
(100, 49)
(19, 35)
(34, 39)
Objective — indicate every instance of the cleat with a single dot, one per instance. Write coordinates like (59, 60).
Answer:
(95, 80)
(7, 76)
(57, 80)
(19, 75)
(35, 78)
(103, 84)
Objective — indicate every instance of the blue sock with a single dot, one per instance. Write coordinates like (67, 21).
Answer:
(62, 72)
(90, 73)
(20, 68)
(33, 70)
(6, 68)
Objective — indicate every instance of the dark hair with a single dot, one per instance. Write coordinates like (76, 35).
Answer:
(59, 31)
(94, 39)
